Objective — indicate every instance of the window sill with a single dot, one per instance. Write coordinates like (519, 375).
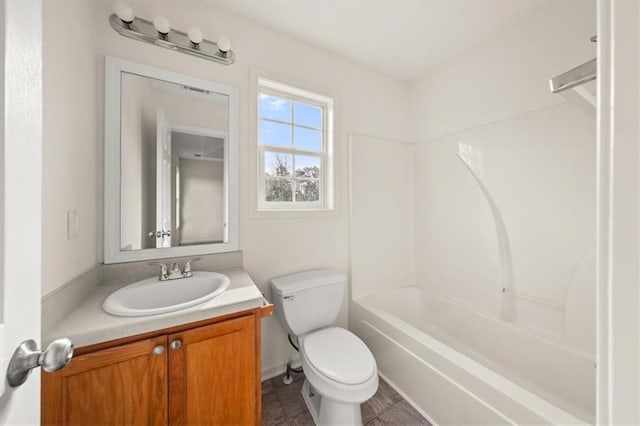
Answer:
(293, 213)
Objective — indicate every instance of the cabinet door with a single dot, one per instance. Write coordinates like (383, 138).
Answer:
(124, 385)
(212, 374)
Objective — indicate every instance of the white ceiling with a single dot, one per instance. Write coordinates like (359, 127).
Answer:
(199, 147)
(400, 38)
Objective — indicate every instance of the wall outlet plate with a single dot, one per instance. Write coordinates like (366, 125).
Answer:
(72, 224)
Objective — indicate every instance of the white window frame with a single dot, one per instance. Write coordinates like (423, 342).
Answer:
(326, 180)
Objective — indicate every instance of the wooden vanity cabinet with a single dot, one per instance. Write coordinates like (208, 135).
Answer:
(203, 373)
(122, 385)
(212, 374)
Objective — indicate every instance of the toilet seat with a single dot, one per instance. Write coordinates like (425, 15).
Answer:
(340, 356)
(339, 349)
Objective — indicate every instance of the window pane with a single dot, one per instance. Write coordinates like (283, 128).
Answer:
(274, 108)
(307, 139)
(307, 190)
(307, 115)
(275, 134)
(278, 189)
(278, 164)
(307, 167)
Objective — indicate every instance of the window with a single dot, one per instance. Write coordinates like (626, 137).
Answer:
(295, 148)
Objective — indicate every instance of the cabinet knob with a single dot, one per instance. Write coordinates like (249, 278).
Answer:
(158, 350)
(176, 344)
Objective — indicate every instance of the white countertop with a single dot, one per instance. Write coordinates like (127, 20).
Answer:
(88, 324)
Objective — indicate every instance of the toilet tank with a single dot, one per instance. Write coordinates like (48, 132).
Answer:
(307, 301)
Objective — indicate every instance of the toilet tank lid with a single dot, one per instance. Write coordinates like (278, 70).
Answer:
(291, 283)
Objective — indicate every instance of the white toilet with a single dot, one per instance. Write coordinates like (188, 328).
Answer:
(340, 371)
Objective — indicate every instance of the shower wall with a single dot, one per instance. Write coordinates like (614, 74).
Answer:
(381, 214)
(505, 178)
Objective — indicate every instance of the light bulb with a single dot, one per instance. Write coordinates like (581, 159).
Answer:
(195, 35)
(224, 44)
(161, 24)
(124, 12)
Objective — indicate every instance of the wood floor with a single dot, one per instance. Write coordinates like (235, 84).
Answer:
(283, 405)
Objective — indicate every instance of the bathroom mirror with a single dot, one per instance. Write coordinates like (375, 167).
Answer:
(171, 164)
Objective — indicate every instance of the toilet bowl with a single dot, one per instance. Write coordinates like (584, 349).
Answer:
(341, 374)
(340, 370)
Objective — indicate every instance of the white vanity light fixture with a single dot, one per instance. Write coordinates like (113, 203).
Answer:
(159, 32)
(195, 36)
(161, 24)
(224, 44)
(124, 12)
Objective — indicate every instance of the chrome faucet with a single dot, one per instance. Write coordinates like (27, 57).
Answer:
(174, 272)
(186, 269)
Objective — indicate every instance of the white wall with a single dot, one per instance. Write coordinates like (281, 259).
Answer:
(366, 103)
(505, 176)
(505, 75)
(201, 201)
(194, 111)
(72, 154)
(137, 172)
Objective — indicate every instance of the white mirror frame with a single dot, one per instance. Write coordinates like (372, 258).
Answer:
(112, 252)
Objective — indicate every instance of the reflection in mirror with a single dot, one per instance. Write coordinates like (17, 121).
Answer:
(173, 164)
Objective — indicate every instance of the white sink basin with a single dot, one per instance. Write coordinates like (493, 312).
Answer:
(151, 296)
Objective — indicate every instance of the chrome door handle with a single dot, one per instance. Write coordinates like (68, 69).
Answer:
(176, 344)
(27, 357)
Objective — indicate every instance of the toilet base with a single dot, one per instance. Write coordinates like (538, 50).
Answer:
(326, 412)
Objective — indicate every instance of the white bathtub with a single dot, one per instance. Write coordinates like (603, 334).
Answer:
(461, 366)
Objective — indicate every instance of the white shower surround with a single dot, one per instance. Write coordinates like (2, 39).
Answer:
(510, 229)
(446, 266)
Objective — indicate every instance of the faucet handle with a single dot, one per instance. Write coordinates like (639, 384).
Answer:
(186, 270)
(163, 270)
